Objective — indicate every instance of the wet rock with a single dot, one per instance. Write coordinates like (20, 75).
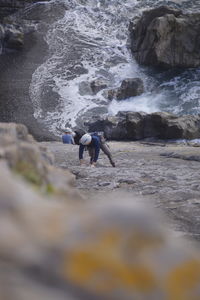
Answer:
(139, 125)
(166, 37)
(11, 33)
(13, 37)
(98, 85)
(130, 87)
(8, 7)
(92, 88)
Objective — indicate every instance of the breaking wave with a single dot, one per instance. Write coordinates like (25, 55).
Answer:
(91, 42)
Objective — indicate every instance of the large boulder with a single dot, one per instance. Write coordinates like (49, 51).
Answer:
(130, 87)
(93, 87)
(13, 37)
(166, 37)
(139, 125)
(11, 34)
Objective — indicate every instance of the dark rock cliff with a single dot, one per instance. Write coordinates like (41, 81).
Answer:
(166, 37)
(8, 7)
(23, 50)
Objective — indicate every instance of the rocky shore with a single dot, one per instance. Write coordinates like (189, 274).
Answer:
(69, 231)
(24, 49)
(165, 174)
(63, 233)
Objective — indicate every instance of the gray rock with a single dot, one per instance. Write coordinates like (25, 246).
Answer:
(139, 125)
(8, 7)
(13, 37)
(11, 133)
(166, 37)
(130, 87)
(92, 88)
(32, 161)
(98, 85)
(47, 247)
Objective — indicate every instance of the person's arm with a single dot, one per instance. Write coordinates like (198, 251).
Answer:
(97, 149)
(72, 140)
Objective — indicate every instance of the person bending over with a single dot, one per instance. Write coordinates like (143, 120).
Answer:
(94, 143)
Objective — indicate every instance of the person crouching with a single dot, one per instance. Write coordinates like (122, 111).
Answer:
(93, 143)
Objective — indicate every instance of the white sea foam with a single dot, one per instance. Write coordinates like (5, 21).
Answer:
(147, 103)
(88, 43)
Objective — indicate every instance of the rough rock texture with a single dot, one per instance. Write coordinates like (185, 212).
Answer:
(130, 87)
(8, 7)
(93, 87)
(17, 67)
(136, 125)
(52, 250)
(164, 175)
(97, 85)
(32, 161)
(58, 247)
(12, 37)
(11, 34)
(166, 37)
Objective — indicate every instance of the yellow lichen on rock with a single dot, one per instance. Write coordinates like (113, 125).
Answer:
(183, 281)
(101, 267)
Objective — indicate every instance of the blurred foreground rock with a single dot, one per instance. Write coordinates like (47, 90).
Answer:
(95, 250)
(31, 161)
(105, 249)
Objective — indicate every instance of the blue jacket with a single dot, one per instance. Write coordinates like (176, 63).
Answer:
(95, 143)
(67, 139)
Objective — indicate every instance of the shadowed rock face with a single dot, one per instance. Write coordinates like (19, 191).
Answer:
(17, 68)
(139, 125)
(166, 37)
(8, 7)
(130, 87)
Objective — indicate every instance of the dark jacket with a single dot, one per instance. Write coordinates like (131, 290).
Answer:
(79, 134)
(95, 143)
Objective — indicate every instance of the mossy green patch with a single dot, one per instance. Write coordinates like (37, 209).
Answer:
(28, 171)
(50, 189)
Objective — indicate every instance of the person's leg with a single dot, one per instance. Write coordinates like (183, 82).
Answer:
(91, 152)
(104, 147)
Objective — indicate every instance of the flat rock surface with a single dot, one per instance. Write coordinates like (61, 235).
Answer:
(165, 175)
